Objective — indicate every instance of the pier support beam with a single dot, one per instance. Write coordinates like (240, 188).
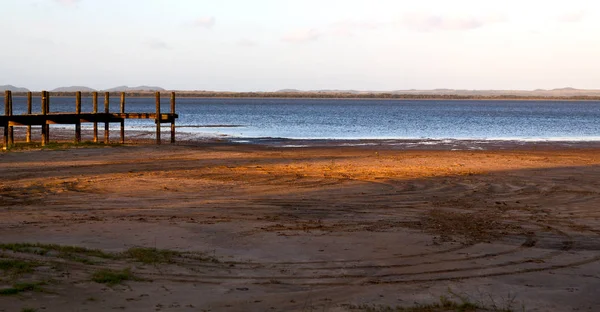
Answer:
(95, 111)
(44, 112)
(173, 120)
(157, 117)
(11, 132)
(29, 104)
(6, 93)
(78, 111)
(106, 124)
(122, 120)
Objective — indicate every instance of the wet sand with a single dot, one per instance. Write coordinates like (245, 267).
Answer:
(322, 228)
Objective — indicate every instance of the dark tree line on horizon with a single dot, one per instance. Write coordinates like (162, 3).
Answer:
(323, 95)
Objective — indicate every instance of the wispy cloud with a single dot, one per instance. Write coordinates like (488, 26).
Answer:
(302, 35)
(428, 23)
(67, 2)
(156, 44)
(204, 22)
(351, 27)
(572, 17)
(247, 43)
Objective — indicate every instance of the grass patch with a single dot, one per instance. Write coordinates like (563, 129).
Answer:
(151, 255)
(90, 256)
(21, 287)
(17, 267)
(158, 256)
(444, 305)
(111, 277)
(74, 253)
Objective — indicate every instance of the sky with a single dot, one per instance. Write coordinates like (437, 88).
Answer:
(267, 45)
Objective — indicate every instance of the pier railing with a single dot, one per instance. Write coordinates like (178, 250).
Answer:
(46, 118)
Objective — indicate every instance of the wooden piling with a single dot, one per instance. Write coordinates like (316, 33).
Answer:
(78, 111)
(44, 112)
(157, 118)
(122, 120)
(6, 114)
(11, 132)
(106, 124)
(172, 119)
(48, 112)
(29, 104)
(95, 111)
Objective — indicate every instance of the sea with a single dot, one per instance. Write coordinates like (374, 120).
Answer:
(356, 121)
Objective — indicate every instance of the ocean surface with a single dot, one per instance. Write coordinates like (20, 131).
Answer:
(326, 119)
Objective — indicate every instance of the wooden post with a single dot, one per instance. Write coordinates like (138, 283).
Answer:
(47, 111)
(78, 111)
(44, 112)
(95, 111)
(157, 118)
(106, 123)
(123, 120)
(11, 133)
(29, 103)
(6, 114)
(172, 118)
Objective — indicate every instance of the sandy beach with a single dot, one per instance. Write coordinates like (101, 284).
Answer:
(231, 227)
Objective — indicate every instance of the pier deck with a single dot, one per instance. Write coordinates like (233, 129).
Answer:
(44, 119)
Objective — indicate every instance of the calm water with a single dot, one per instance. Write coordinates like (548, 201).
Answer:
(364, 119)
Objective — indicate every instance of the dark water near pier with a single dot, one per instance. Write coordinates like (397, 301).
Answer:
(241, 119)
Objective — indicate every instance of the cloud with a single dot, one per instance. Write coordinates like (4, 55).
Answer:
(67, 2)
(429, 23)
(156, 44)
(301, 35)
(349, 28)
(205, 22)
(247, 43)
(572, 17)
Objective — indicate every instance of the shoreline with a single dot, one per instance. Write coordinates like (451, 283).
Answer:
(137, 137)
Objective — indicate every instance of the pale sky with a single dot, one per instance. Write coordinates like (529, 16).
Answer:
(266, 45)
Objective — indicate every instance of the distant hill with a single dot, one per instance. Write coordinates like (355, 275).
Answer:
(13, 88)
(559, 92)
(73, 89)
(134, 89)
(441, 93)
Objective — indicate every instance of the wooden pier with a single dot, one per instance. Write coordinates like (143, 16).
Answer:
(46, 118)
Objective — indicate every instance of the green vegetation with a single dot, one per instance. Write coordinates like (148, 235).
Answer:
(17, 267)
(88, 256)
(111, 277)
(73, 253)
(444, 305)
(21, 287)
(157, 256)
(151, 255)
